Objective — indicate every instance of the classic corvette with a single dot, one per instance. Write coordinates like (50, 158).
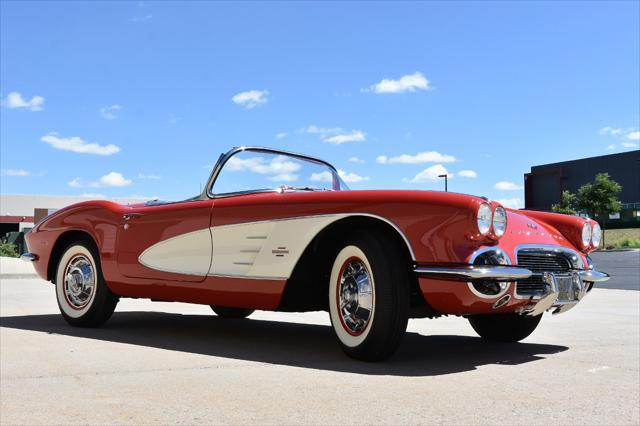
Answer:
(372, 259)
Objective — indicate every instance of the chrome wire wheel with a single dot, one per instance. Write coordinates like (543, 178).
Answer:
(79, 281)
(355, 296)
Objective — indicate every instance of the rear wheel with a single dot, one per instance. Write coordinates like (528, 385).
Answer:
(225, 312)
(504, 327)
(369, 296)
(83, 296)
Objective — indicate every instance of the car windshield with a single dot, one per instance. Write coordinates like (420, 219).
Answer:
(255, 170)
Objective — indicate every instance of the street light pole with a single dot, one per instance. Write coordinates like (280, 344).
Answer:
(446, 189)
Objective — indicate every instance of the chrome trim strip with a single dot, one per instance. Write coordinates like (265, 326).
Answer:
(207, 190)
(474, 272)
(574, 257)
(247, 277)
(29, 257)
(594, 276)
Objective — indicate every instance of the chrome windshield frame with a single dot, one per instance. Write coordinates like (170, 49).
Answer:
(207, 192)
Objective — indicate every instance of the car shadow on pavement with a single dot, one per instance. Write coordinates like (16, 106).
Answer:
(286, 343)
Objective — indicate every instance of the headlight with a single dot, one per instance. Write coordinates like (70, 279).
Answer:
(484, 218)
(586, 234)
(596, 235)
(499, 221)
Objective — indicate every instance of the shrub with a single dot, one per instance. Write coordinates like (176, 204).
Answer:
(8, 250)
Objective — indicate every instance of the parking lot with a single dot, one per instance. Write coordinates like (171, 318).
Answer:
(158, 363)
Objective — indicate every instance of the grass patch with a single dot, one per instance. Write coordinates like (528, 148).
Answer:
(627, 243)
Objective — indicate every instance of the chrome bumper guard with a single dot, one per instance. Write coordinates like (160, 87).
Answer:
(561, 292)
(29, 257)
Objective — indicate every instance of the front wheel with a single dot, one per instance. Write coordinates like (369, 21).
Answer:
(369, 296)
(504, 327)
(83, 296)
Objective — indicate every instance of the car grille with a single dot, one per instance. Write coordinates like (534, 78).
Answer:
(539, 262)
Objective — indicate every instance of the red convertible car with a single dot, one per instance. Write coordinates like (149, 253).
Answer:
(279, 231)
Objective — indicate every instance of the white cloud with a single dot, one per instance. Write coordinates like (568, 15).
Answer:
(629, 144)
(93, 195)
(251, 98)
(355, 160)
(611, 131)
(313, 129)
(260, 165)
(141, 18)
(112, 179)
(325, 176)
(354, 136)
(14, 100)
(148, 177)
(334, 135)
(468, 173)
(429, 174)
(110, 112)
(631, 134)
(76, 144)
(419, 158)
(612, 146)
(511, 203)
(406, 83)
(351, 177)
(284, 177)
(281, 135)
(15, 172)
(507, 186)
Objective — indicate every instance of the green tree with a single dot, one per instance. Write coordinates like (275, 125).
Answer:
(599, 198)
(566, 204)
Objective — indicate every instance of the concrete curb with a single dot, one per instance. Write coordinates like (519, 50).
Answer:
(17, 276)
(616, 250)
(12, 267)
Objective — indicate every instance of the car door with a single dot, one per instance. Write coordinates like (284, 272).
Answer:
(169, 241)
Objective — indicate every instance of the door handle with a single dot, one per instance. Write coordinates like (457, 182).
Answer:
(129, 216)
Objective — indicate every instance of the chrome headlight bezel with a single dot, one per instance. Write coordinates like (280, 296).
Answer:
(586, 234)
(596, 235)
(484, 218)
(499, 225)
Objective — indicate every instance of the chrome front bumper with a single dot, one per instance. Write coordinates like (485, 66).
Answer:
(561, 292)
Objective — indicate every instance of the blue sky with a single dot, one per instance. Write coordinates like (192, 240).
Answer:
(138, 98)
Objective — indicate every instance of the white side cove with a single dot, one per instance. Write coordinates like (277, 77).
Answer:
(188, 253)
(266, 249)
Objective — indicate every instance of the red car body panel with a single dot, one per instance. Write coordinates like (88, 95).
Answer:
(440, 228)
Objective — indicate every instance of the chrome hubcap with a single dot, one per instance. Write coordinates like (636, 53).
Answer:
(79, 281)
(355, 296)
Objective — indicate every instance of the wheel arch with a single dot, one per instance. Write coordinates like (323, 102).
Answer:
(305, 289)
(63, 242)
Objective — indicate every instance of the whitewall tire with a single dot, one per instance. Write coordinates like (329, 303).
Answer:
(369, 295)
(83, 297)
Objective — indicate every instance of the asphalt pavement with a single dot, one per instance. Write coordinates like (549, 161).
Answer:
(173, 363)
(623, 266)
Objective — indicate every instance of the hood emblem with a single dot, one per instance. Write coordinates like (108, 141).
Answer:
(532, 225)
